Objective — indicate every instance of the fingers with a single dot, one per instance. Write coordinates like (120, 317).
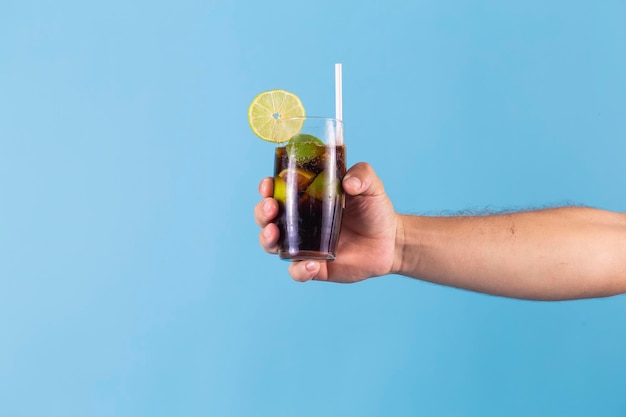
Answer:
(264, 213)
(268, 238)
(303, 271)
(362, 180)
(266, 210)
(266, 187)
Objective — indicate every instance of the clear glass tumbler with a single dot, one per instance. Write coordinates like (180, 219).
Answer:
(308, 171)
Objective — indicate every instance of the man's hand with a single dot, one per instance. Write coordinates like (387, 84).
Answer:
(367, 243)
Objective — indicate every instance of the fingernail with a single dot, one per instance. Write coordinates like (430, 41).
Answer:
(354, 183)
(311, 266)
(267, 208)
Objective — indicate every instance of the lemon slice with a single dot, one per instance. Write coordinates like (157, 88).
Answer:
(270, 112)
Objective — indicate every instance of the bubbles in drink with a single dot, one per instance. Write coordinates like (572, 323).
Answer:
(308, 174)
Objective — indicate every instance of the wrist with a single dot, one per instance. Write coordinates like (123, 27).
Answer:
(399, 245)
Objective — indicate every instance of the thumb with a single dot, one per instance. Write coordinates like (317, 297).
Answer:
(362, 180)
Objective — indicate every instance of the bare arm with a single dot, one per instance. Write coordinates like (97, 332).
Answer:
(552, 254)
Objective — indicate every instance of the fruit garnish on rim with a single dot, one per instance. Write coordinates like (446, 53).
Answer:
(271, 114)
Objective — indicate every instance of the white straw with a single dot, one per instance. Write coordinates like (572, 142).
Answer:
(338, 113)
(338, 104)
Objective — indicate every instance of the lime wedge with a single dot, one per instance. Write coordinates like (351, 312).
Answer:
(323, 189)
(269, 115)
(280, 190)
(302, 178)
(305, 148)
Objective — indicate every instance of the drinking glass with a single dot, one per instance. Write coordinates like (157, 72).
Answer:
(308, 170)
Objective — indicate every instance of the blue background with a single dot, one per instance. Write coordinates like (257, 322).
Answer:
(131, 280)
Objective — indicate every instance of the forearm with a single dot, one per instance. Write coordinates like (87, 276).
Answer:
(563, 253)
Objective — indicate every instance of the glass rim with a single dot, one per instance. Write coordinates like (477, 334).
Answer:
(333, 119)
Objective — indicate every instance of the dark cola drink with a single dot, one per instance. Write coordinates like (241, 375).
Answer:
(307, 186)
